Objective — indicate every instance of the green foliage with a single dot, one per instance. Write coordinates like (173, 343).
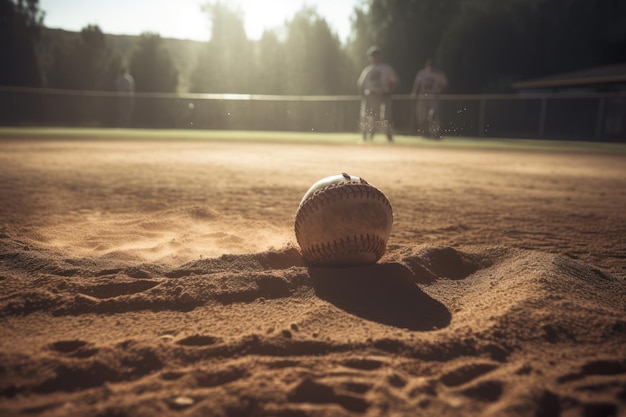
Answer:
(473, 58)
(361, 39)
(309, 60)
(152, 67)
(226, 64)
(154, 71)
(313, 56)
(483, 45)
(20, 29)
(87, 63)
(408, 31)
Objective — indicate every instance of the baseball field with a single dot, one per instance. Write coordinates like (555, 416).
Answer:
(152, 273)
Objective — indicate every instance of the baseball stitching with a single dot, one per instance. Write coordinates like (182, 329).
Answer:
(364, 243)
(320, 198)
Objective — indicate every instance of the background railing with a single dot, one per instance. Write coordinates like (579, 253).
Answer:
(593, 116)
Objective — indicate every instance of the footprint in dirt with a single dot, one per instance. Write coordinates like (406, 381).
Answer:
(74, 348)
(309, 391)
(198, 340)
(115, 289)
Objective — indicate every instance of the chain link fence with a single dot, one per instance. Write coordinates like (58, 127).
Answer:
(591, 117)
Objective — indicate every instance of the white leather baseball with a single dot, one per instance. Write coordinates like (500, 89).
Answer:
(343, 221)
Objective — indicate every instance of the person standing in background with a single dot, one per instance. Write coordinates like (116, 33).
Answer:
(125, 85)
(428, 84)
(376, 84)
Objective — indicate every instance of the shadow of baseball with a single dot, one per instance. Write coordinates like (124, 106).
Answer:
(384, 293)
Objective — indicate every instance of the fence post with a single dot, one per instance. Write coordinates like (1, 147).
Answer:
(600, 119)
(481, 118)
(542, 117)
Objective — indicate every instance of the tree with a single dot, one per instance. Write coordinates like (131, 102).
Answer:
(360, 40)
(482, 48)
(227, 64)
(315, 61)
(484, 45)
(585, 34)
(152, 67)
(20, 29)
(408, 32)
(490, 44)
(310, 60)
(86, 64)
(270, 77)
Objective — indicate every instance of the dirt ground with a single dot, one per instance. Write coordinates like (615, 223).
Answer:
(164, 278)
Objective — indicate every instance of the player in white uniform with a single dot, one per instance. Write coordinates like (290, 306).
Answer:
(429, 83)
(125, 84)
(376, 84)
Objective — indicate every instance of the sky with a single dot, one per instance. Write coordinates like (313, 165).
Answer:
(183, 19)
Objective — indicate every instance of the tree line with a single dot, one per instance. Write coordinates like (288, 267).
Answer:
(481, 45)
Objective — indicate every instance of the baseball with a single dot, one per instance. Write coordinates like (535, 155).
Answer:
(343, 221)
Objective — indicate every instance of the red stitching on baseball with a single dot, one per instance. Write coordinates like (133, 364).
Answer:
(335, 252)
(327, 252)
(320, 198)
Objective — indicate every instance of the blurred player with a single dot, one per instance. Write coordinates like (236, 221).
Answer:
(125, 85)
(376, 84)
(429, 83)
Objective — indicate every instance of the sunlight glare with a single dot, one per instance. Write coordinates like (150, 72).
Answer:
(184, 19)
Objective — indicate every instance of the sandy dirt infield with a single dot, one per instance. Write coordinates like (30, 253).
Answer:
(163, 277)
